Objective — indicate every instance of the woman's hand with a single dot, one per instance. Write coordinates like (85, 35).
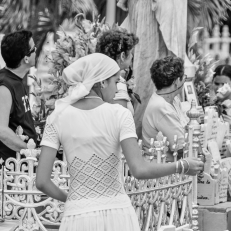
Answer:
(195, 166)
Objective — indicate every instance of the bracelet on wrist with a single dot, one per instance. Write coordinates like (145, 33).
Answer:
(177, 167)
(182, 166)
(188, 166)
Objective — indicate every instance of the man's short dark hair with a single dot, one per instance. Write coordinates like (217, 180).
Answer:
(165, 71)
(15, 46)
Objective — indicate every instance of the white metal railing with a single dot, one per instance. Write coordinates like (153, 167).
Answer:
(158, 202)
(218, 44)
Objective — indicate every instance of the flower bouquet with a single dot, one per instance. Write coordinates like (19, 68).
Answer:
(205, 66)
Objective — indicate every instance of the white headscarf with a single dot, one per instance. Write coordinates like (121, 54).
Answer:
(82, 75)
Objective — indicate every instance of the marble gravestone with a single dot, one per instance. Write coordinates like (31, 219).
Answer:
(223, 185)
(211, 119)
(214, 150)
(206, 189)
(210, 127)
(214, 130)
(223, 135)
(206, 185)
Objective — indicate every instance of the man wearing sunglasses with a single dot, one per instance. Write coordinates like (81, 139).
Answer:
(18, 52)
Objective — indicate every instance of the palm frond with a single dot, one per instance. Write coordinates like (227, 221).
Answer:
(210, 12)
(14, 15)
(194, 7)
(74, 7)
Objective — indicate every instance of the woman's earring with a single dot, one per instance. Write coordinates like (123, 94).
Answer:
(102, 85)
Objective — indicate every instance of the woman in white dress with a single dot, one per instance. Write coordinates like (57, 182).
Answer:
(92, 132)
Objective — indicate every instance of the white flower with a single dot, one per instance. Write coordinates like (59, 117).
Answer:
(207, 59)
(38, 130)
(49, 88)
(50, 103)
(193, 58)
(228, 111)
(61, 34)
(94, 41)
(131, 84)
(35, 109)
(224, 89)
(87, 25)
(197, 63)
(227, 103)
(211, 72)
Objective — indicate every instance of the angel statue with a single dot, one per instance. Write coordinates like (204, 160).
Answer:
(163, 28)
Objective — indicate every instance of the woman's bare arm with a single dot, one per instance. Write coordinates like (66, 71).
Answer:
(43, 175)
(142, 169)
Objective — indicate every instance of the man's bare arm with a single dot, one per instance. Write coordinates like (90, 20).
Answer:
(7, 136)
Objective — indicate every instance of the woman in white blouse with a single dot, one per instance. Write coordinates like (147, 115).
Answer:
(92, 132)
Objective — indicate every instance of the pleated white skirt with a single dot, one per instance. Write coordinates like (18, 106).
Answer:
(122, 219)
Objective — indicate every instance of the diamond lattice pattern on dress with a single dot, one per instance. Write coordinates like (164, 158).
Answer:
(97, 180)
(50, 134)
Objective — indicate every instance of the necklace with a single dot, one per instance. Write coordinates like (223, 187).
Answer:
(93, 97)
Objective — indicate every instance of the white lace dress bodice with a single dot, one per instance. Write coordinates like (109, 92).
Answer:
(91, 142)
(95, 185)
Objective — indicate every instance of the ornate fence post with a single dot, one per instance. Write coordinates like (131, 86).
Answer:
(218, 44)
(194, 130)
(29, 219)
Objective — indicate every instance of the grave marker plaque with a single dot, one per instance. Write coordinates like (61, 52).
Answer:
(205, 190)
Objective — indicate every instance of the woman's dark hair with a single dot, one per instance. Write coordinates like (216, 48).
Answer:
(113, 42)
(15, 46)
(222, 70)
(165, 71)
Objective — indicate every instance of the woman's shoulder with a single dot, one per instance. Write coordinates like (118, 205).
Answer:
(117, 108)
(118, 111)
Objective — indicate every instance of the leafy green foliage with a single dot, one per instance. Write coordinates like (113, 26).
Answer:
(210, 12)
(40, 16)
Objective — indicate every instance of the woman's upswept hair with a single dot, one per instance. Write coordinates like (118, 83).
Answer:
(222, 70)
(113, 42)
(165, 71)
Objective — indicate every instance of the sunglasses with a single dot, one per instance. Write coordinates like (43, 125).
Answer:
(32, 51)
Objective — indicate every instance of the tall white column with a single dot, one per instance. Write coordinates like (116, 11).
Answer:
(111, 12)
